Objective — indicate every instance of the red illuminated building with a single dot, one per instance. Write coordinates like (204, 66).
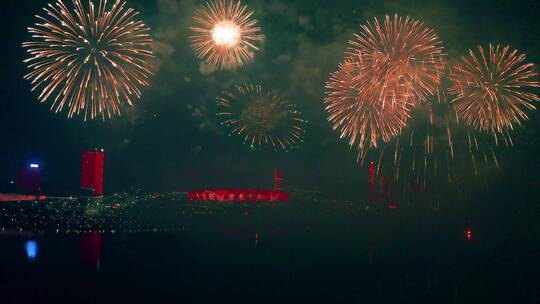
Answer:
(244, 195)
(92, 172)
(29, 179)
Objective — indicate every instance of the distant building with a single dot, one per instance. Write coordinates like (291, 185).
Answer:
(29, 179)
(92, 172)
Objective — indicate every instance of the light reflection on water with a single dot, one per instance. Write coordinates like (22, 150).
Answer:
(284, 252)
(31, 248)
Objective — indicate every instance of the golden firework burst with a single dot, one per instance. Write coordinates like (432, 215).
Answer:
(261, 118)
(90, 59)
(492, 90)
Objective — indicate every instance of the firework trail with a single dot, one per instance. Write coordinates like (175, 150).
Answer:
(89, 59)
(261, 119)
(492, 90)
(225, 35)
(436, 144)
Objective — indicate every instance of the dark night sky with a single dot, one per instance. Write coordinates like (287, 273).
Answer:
(170, 139)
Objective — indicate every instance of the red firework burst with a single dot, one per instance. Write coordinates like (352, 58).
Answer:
(358, 113)
(389, 69)
(400, 60)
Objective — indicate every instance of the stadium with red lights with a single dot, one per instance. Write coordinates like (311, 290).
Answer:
(244, 195)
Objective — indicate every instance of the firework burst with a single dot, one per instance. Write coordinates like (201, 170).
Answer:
(89, 59)
(225, 34)
(400, 60)
(389, 69)
(261, 119)
(491, 91)
(364, 119)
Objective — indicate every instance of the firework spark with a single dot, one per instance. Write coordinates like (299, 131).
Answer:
(365, 121)
(436, 143)
(261, 119)
(400, 60)
(90, 59)
(491, 91)
(225, 34)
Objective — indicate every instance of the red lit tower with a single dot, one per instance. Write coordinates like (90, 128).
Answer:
(372, 183)
(278, 181)
(92, 172)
